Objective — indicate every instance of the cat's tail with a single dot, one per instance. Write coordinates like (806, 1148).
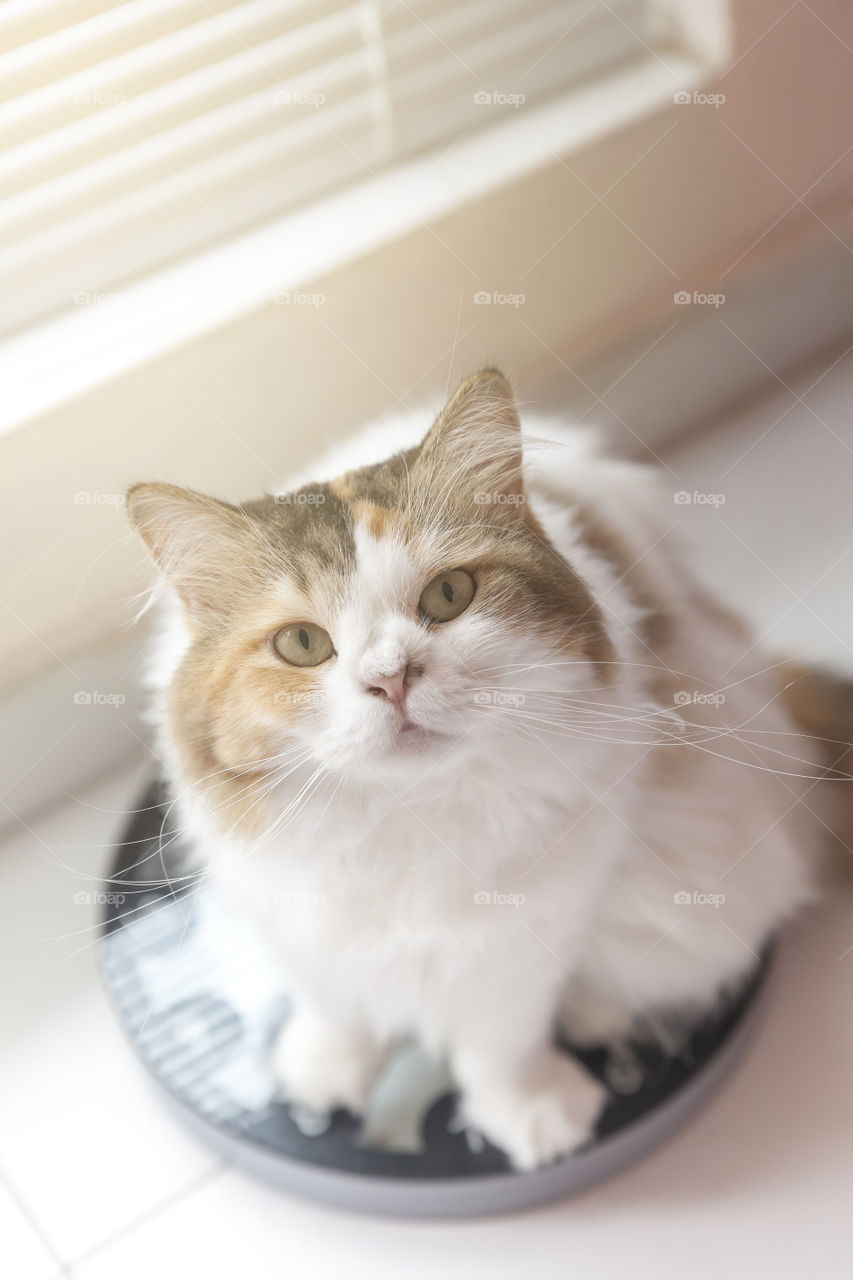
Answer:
(821, 703)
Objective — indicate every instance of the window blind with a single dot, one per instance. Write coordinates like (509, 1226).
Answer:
(133, 134)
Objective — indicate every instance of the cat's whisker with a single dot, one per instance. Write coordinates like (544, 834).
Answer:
(144, 911)
(272, 784)
(693, 735)
(169, 880)
(298, 801)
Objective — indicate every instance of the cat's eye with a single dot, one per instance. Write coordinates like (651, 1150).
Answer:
(303, 644)
(447, 596)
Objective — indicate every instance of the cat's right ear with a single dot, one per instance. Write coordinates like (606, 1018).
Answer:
(200, 545)
(475, 444)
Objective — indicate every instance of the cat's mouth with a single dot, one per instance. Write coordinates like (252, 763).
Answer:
(411, 736)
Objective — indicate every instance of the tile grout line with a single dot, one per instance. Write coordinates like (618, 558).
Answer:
(22, 1204)
(196, 1184)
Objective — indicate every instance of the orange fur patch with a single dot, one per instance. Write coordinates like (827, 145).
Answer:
(380, 522)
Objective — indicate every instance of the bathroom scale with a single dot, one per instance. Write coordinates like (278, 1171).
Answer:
(202, 1000)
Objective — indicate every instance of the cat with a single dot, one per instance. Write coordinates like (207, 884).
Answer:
(468, 738)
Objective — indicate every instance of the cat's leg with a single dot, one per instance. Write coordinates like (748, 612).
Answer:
(528, 1098)
(323, 1062)
(536, 1108)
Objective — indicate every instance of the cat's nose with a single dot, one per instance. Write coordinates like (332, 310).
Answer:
(393, 687)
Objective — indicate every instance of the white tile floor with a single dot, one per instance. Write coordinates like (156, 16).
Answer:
(97, 1181)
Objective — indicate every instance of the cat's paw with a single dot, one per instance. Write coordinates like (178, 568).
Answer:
(540, 1119)
(322, 1066)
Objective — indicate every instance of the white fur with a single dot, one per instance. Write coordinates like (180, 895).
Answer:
(561, 814)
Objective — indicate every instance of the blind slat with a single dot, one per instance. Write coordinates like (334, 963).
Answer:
(95, 253)
(108, 83)
(493, 71)
(22, 21)
(117, 30)
(133, 134)
(179, 99)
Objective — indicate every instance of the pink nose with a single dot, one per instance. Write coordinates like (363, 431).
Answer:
(393, 687)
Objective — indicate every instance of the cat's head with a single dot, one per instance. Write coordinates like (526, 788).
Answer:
(382, 621)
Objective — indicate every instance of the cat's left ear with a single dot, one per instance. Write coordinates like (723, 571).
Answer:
(475, 444)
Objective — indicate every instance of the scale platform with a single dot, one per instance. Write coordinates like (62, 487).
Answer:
(202, 1001)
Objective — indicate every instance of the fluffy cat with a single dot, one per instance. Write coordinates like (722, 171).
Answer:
(481, 755)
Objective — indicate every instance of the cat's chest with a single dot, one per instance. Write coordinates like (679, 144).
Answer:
(413, 880)
(387, 891)
(414, 884)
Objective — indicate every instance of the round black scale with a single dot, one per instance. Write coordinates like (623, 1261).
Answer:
(202, 1002)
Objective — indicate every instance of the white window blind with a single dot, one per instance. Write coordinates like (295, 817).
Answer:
(133, 134)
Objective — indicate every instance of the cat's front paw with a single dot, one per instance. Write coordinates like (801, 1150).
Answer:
(549, 1114)
(322, 1066)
